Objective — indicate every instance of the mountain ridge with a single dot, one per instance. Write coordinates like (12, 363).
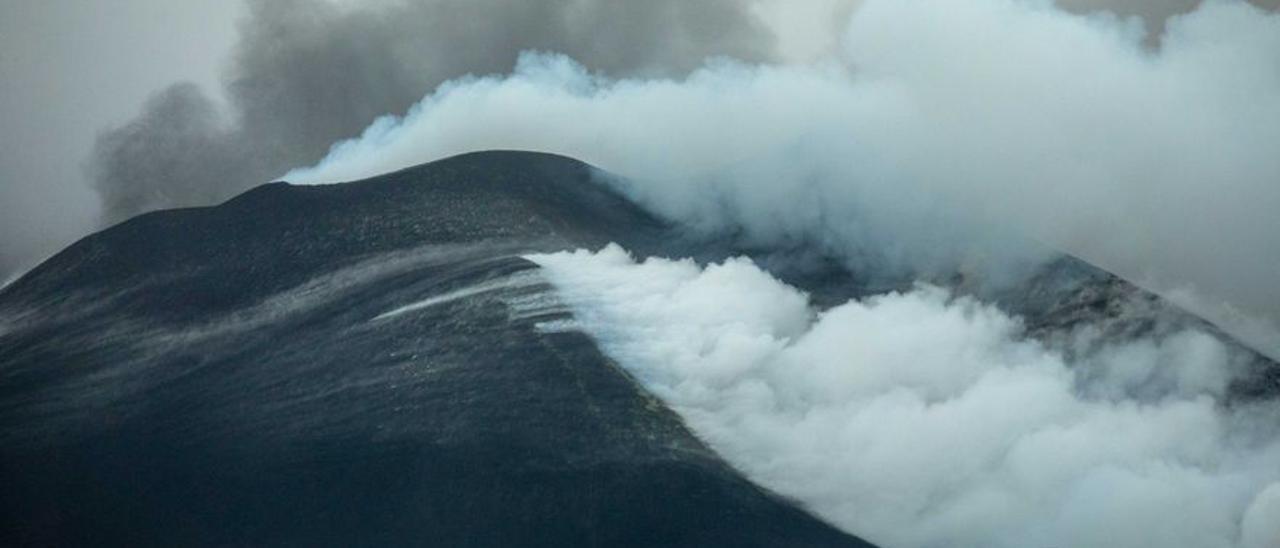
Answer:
(238, 374)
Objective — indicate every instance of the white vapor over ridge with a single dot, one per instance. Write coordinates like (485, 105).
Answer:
(937, 130)
(920, 419)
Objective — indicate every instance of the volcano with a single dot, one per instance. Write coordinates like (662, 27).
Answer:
(363, 364)
(350, 365)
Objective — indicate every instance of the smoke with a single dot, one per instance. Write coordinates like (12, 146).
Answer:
(1153, 15)
(162, 145)
(923, 419)
(938, 132)
(307, 73)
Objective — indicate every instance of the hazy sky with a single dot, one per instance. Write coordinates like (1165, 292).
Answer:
(70, 68)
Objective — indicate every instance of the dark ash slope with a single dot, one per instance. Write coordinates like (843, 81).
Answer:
(231, 376)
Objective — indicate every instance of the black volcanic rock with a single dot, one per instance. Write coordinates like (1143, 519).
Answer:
(363, 364)
(239, 375)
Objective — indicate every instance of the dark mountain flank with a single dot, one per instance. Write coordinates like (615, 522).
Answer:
(362, 365)
(351, 365)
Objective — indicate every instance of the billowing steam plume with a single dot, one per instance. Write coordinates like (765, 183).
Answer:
(941, 129)
(920, 419)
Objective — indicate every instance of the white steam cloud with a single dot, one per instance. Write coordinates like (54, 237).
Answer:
(937, 126)
(922, 419)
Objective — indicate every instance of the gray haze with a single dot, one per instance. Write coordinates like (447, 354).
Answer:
(69, 68)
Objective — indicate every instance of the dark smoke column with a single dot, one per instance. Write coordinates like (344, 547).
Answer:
(307, 73)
